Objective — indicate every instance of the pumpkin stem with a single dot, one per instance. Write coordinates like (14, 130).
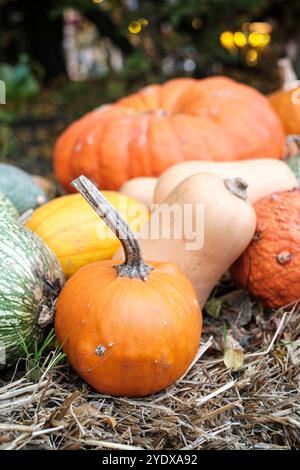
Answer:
(287, 73)
(237, 186)
(134, 265)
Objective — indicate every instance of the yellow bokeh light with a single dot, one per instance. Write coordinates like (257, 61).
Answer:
(97, 1)
(265, 39)
(251, 57)
(254, 39)
(143, 21)
(240, 39)
(226, 39)
(135, 27)
(258, 39)
(197, 23)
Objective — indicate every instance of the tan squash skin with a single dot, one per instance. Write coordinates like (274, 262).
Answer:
(141, 189)
(263, 176)
(229, 225)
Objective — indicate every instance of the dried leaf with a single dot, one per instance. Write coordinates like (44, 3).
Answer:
(58, 415)
(234, 354)
(236, 307)
(234, 359)
(240, 308)
(83, 411)
(111, 421)
(294, 352)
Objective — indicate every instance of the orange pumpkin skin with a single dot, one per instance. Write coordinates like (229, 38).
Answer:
(161, 125)
(146, 333)
(285, 102)
(288, 110)
(270, 267)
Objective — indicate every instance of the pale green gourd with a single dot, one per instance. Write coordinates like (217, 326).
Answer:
(7, 209)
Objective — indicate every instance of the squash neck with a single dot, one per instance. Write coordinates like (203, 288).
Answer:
(133, 266)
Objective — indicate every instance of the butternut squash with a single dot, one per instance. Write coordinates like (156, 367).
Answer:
(220, 233)
(141, 189)
(263, 176)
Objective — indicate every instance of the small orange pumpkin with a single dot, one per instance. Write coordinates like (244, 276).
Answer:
(132, 328)
(270, 267)
(286, 102)
(145, 133)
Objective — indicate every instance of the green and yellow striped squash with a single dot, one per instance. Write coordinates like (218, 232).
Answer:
(7, 209)
(30, 280)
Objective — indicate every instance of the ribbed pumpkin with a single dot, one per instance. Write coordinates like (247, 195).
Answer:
(184, 119)
(7, 209)
(128, 329)
(270, 267)
(74, 232)
(30, 280)
(20, 188)
(286, 102)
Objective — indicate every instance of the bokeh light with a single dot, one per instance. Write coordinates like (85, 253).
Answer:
(251, 57)
(240, 39)
(227, 40)
(135, 27)
(197, 23)
(256, 39)
(144, 22)
(261, 27)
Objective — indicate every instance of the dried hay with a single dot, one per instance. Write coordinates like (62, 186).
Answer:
(211, 407)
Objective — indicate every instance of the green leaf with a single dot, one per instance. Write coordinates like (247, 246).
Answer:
(213, 307)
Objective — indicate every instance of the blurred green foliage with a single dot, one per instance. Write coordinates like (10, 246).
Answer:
(171, 33)
(21, 85)
(20, 80)
(181, 30)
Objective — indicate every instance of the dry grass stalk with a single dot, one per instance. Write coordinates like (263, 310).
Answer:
(211, 407)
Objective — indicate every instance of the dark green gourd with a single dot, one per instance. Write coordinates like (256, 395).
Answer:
(19, 187)
(30, 281)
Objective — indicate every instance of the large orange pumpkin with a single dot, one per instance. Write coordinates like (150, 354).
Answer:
(286, 102)
(270, 267)
(128, 328)
(184, 119)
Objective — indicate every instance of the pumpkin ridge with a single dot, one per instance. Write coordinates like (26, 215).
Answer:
(240, 114)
